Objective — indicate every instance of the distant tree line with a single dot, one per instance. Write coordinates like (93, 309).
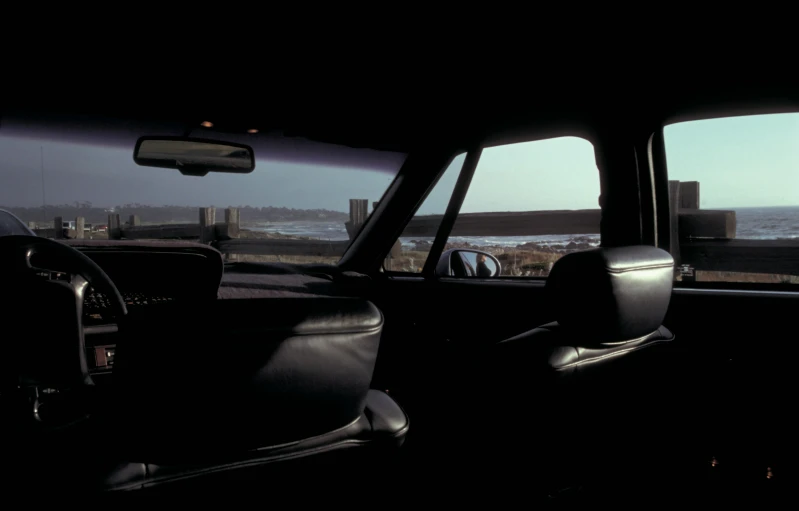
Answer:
(170, 214)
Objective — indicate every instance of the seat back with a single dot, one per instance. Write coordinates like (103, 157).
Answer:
(582, 379)
(276, 371)
(608, 302)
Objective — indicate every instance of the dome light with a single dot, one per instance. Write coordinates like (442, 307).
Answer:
(207, 124)
(252, 131)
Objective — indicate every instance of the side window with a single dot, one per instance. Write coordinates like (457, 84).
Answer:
(528, 204)
(744, 225)
(410, 253)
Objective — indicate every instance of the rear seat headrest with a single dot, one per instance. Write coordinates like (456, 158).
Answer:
(612, 294)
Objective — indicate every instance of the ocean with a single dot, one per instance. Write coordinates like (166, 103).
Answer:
(752, 223)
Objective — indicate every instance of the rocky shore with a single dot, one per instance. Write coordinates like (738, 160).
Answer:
(524, 260)
(579, 243)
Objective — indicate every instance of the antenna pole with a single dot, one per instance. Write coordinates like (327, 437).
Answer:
(44, 204)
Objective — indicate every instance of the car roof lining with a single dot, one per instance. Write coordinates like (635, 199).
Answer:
(391, 120)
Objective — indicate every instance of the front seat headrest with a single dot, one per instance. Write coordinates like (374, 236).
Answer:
(612, 294)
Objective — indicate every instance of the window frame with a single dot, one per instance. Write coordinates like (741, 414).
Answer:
(453, 209)
(394, 273)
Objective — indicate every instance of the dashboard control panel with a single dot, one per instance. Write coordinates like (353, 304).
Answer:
(96, 306)
(99, 301)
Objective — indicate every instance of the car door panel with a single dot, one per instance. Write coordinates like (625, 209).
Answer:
(434, 326)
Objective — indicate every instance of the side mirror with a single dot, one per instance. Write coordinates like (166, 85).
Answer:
(468, 263)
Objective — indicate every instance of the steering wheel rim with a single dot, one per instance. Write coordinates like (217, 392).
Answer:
(16, 253)
(75, 261)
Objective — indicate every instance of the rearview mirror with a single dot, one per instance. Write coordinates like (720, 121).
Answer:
(468, 263)
(194, 156)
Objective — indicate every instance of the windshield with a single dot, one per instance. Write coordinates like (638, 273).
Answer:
(309, 197)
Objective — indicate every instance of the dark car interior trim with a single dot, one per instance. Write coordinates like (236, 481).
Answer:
(602, 383)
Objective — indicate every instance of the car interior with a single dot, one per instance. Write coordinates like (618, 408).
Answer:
(638, 356)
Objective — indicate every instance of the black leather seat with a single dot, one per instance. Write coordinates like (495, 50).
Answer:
(608, 302)
(567, 396)
(281, 392)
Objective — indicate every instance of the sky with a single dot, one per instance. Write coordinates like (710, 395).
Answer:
(107, 176)
(739, 162)
(750, 161)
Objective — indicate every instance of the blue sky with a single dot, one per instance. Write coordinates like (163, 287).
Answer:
(559, 173)
(107, 176)
(740, 162)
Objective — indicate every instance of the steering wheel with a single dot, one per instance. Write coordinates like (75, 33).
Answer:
(17, 257)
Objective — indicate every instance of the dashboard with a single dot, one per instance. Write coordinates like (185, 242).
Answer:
(147, 274)
(162, 282)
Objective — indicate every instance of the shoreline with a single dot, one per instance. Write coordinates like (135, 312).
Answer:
(525, 260)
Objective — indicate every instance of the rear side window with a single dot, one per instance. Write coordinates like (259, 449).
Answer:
(734, 186)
